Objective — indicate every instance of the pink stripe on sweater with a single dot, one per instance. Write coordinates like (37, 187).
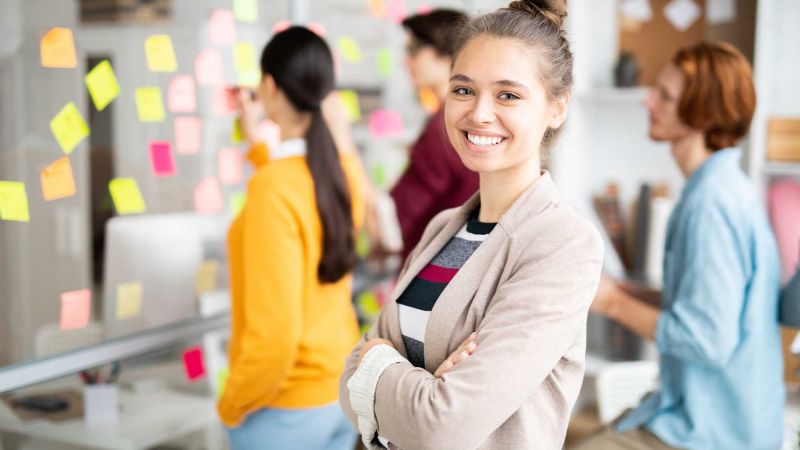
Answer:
(436, 274)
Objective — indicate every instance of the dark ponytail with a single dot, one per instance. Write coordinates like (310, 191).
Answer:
(301, 64)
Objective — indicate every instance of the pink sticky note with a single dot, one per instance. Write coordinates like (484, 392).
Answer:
(424, 10)
(224, 101)
(229, 166)
(161, 159)
(385, 123)
(193, 363)
(270, 132)
(208, 68)
(283, 25)
(784, 210)
(396, 10)
(222, 27)
(208, 197)
(181, 96)
(317, 28)
(187, 134)
(76, 309)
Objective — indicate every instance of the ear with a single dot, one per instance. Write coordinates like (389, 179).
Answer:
(558, 113)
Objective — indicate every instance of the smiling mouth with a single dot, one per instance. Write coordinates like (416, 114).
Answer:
(483, 141)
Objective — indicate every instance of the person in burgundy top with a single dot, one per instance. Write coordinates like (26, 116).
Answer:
(435, 179)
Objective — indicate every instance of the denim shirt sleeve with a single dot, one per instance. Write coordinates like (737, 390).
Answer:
(701, 323)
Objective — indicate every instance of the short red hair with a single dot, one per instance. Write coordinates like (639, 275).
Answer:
(719, 97)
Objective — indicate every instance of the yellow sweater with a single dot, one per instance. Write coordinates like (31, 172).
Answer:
(289, 333)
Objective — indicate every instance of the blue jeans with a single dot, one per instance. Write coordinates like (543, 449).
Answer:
(323, 428)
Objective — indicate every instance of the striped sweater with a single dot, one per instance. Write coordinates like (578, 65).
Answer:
(416, 302)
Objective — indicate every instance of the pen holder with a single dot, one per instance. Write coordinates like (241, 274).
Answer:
(101, 404)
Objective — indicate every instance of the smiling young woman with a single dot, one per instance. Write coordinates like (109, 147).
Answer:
(482, 344)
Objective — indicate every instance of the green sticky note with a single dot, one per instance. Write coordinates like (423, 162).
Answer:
(349, 98)
(379, 175)
(149, 104)
(236, 203)
(246, 10)
(126, 196)
(385, 62)
(362, 245)
(363, 329)
(14, 202)
(69, 128)
(368, 304)
(102, 84)
(350, 50)
(222, 377)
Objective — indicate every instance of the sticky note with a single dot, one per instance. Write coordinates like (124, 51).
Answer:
(385, 63)
(14, 202)
(379, 175)
(249, 79)
(224, 101)
(129, 300)
(229, 166)
(244, 57)
(206, 276)
(350, 100)
(161, 159)
(187, 134)
(350, 50)
(222, 27)
(429, 101)
(208, 197)
(126, 196)
(222, 378)
(368, 303)
(317, 28)
(193, 363)
(69, 128)
(208, 68)
(181, 97)
(246, 10)
(76, 307)
(424, 10)
(57, 180)
(149, 104)
(362, 244)
(160, 54)
(396, 10)
(236, 131)
(236, 203)
(385, 123)
(377, 8)
(102, 84)
(283, 25)
(57, 49)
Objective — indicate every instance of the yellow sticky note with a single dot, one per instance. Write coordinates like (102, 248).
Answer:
(69, 128)
(429, 100)
(385, 62)
(249, 79)
(14, 201)
(160, 54)
(129, 300)
(244, 57)
(236, 203)
(57, 180)
(206, 276)
(246, 10)
(149, 104)
(350, 50)
(57, 49)
(126, 196)
(102, 85)
(236, 131)
(222, 378)
(368, 304)
(349, 98)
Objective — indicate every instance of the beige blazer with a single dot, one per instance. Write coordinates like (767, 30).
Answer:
(526, 291)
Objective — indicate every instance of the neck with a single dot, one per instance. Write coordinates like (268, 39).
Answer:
(690, 153)
(292, 123)
(499, 190)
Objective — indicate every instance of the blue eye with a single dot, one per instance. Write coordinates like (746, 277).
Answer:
(462, 91)
(508, 96)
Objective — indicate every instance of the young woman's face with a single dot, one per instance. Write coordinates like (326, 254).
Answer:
(662, 106)
(496, 109)
(425, 66)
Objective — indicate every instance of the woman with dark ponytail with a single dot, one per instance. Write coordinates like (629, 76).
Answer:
(291, 253)
(482, 344)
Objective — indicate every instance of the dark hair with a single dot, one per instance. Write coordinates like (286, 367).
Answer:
(301, 64)
(538, 24)
(719, 97)
(436, 29)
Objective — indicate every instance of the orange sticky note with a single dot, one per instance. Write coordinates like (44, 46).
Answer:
(187, 134)
(350, 100)
(208, 197)
(181, 96)
(76, 307)
(57, 49)
(126, 196)
(57, 180)
(222, 27)
(149, 104)
(429, 101)
(129, 300)
(69, 128)
(229, 166)
(377, 8)
(208, 68)
(102, 84)
(160, 54)
(14, 202)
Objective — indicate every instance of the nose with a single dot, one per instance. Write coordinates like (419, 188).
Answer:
(482, 109)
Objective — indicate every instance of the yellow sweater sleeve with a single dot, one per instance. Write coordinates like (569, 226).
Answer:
(273, 272)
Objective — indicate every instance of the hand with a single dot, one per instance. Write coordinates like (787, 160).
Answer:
(250, 112)
(335, 114)
(372, 343)
(607, 291)
(463, 352)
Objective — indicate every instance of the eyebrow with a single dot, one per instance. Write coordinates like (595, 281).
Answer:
(508, 83)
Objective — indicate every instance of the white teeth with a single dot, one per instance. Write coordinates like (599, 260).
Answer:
(484, 141)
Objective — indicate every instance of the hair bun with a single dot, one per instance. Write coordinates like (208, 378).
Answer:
(553, 10)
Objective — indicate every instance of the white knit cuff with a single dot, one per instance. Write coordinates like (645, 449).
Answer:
(364, 382)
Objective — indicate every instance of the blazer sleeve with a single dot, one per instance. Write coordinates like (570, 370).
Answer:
(533, 319)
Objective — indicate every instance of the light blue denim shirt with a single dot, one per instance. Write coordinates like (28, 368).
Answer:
(718, 335)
